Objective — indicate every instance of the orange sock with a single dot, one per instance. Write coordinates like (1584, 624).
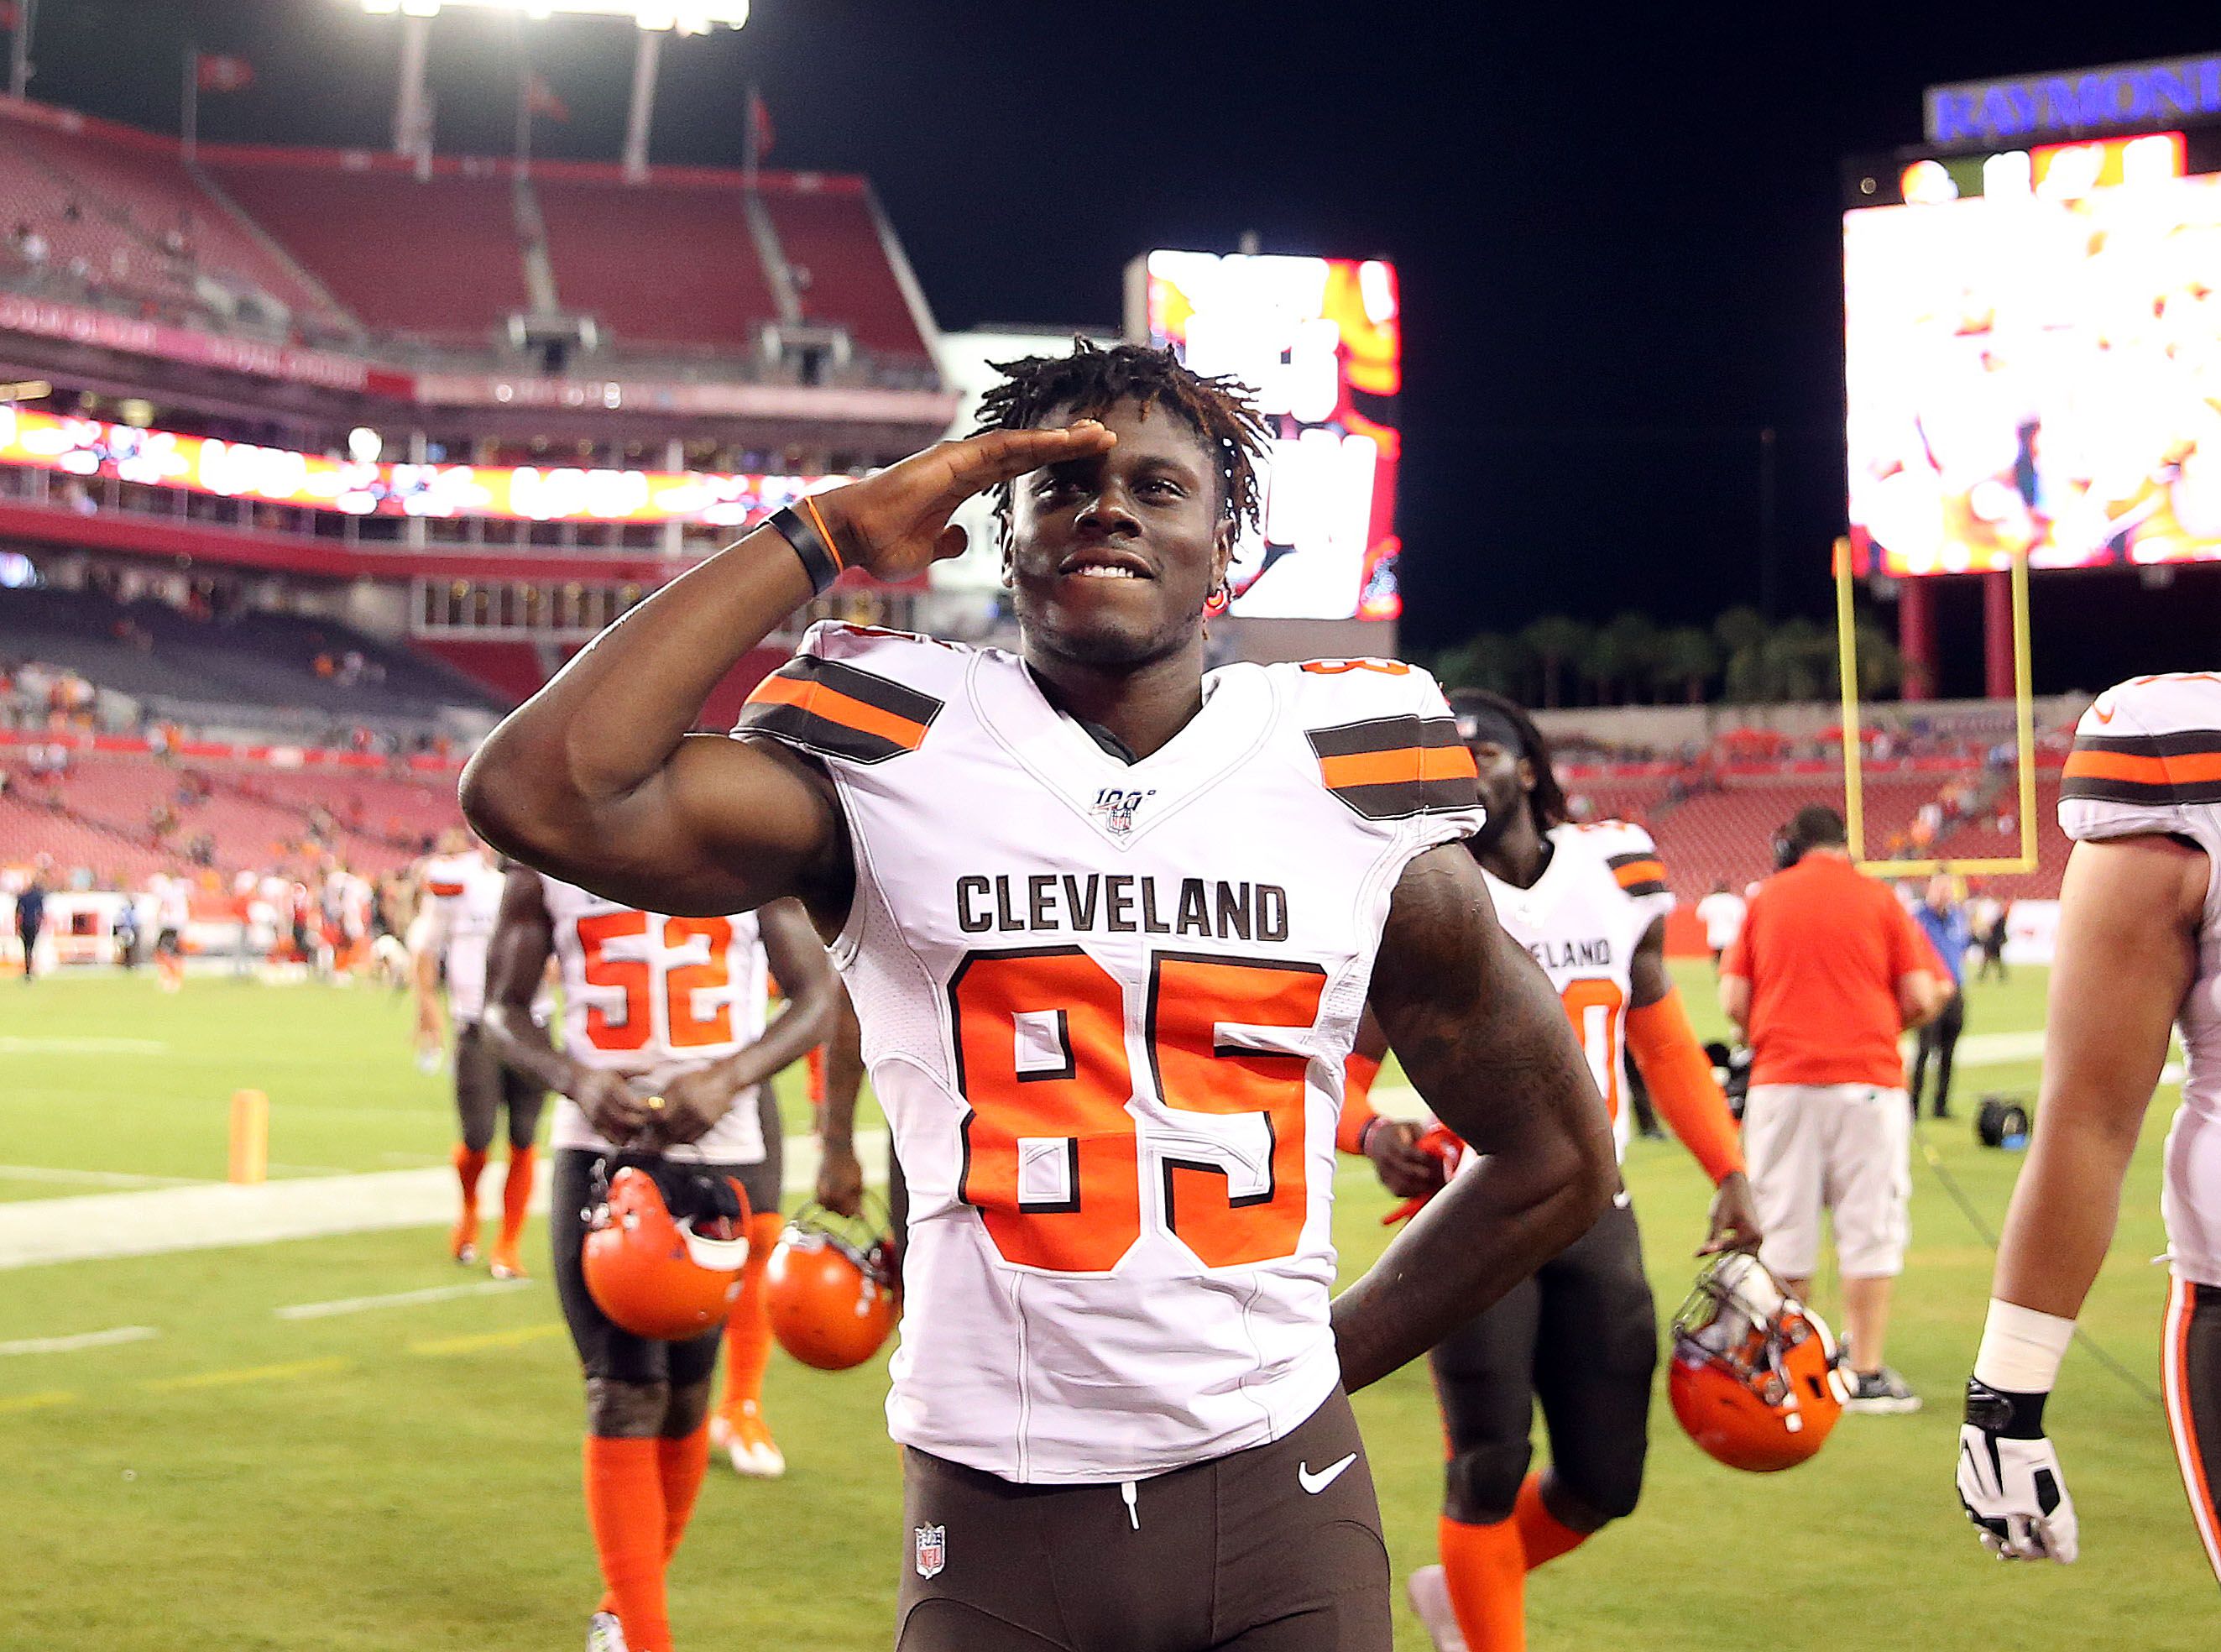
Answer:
(682, 1462)
(1542, 1534)
(516, 1194)
(625, 1506)
(469, 1167)
(1488, 1578)
(747, 1329)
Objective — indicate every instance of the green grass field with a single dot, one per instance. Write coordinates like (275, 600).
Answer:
(407, 1477)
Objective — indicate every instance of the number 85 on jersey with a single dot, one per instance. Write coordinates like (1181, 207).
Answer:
(1089, 1124)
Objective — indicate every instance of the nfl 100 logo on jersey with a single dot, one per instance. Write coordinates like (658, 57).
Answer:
(1118, 804)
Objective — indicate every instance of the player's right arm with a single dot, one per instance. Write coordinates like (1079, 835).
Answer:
(2126, 957)
(516, 961)
(1487, 1044)
(595, 780)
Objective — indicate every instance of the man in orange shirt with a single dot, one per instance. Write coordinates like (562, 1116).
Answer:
(1827, 971)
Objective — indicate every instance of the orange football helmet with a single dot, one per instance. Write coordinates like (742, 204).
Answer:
(1756, 1378)
(672, 1279)
(832, 1295)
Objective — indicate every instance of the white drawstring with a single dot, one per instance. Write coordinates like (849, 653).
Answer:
(1133, 1505)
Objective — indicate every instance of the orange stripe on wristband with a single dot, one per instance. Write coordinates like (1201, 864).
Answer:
(819, 521)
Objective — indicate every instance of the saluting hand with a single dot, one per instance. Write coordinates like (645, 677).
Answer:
(896, 523)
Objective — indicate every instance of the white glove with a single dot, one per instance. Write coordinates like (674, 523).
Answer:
(2012, 1485)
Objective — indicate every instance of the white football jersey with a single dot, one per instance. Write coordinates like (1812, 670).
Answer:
(652, 997)
(1603, 888)
(1106, 1006)
(2147, 758)
(463, 897)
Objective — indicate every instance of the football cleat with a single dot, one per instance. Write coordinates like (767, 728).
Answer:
(831, 1296)
(463, 1243)
(507, 1264)
(747, 1443)
(1881, 1393)
(661, 1276)
(1429, 1589)
(605, 1634)
(1756, 1379)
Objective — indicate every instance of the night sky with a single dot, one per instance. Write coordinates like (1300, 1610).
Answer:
(1619, 243)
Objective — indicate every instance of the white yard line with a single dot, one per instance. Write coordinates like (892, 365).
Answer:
(83, 1340)
(398, 1300)
(92, 1226)
(94, 1178)
(83, 1047)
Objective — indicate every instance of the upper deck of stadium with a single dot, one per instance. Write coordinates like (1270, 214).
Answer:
(363, 271)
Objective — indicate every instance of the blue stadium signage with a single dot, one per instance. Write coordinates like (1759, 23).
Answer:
(2170, 93)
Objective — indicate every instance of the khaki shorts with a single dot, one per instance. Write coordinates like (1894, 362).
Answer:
(1845, 1147)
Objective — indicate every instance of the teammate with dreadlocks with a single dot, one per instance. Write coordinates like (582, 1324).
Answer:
(1590, 903)
(1107, 924)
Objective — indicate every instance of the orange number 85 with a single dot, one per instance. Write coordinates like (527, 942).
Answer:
(1054, 1156)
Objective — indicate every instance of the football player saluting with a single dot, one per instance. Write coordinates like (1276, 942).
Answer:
(665, 1047)
(1590, 904)
(1107, 924)
(449, 940)
(2139, 953)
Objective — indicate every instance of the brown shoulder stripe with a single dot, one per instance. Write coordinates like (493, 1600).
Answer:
(2181, 768)
(839, 711)
(1391, 768)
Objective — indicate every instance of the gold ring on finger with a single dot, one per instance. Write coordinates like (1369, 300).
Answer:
(656, 1103)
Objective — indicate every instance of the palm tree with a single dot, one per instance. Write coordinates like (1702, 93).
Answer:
(1881, 667)
(1797, 661)
(1741, 634)
(1625, 654)
(1686, 656)
(1555, 641)
(1487, 659)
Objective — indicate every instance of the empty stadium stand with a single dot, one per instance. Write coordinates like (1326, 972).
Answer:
(1726, 836)
(215, 815)
(120, 213)
(669, 264)
(253, 661)
(438, 260)
(830, 235)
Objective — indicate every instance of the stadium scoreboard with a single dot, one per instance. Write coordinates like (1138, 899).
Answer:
(2032, 345)
(1318, 341)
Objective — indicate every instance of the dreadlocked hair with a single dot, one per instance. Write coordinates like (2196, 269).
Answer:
(1091, 381)
(1546, 803)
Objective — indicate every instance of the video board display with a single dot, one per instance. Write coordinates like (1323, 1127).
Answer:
(233, 470)
(1320, 342)
(2033, 361)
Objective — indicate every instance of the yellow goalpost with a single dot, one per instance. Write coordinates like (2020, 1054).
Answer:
(1846, 650)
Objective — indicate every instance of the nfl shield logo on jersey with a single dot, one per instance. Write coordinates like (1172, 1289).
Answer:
(932, 1549)
(1116, 806)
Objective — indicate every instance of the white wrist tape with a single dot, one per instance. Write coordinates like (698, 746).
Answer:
(2021, 1349)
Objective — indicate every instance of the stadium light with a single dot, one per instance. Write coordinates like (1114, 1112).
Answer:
(688, 17)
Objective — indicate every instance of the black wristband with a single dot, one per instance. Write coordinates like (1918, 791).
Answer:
(2009, 1416)
(819, 559)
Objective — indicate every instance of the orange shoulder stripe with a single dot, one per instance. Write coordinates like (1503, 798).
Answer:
(1398, 767)
(819, 701)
